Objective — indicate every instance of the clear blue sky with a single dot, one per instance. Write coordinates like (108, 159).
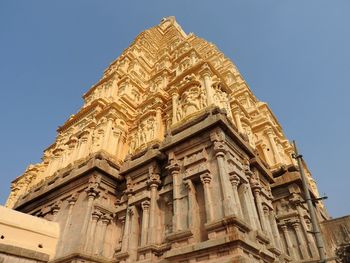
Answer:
(295, 55)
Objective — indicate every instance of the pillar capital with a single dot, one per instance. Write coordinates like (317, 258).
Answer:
(219, 148)
(106, 218)
(145, 205)
(295, 224)
(92, 188)
(256, 187)
(205, 178)
(122, 219)
(283, 227)
(56, 207)
(72, 199)
(235, 180)
(266, 209)
(130, 210)
(269, 131)
(153, 177)
(189, 185)
(96, 215)
(205, 70)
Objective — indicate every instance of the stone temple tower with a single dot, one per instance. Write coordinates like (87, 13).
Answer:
(171, 159)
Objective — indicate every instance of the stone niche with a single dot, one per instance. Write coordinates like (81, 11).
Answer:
(190, 99)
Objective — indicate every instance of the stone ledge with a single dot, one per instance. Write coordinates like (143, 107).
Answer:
(82, 256)
(99, 161)
(179, 235)
(214, 243)
(158, 250)
(121, 255)
(227, 221)
(24, 253)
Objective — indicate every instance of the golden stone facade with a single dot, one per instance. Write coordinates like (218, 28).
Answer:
(171, 159)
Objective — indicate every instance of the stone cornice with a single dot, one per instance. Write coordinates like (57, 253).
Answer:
(82, 113)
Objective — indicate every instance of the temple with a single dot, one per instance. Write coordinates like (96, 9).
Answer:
(171, 159)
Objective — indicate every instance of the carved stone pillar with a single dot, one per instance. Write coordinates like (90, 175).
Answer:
(122, 221)
(227, 191)
(266, 211)
(83, 145)
(54, 209)
(158, 131)
(207, 85)
(266, 154)
(95, 216)
(73, 147)
(289, 244)
(206, 179)
(235, 182)
(121, 143)
(91, 192)
(310, 239)
(153, 182)
(256, 191)
(274, 228)
(300, 239)
(192, 212)
(270, 134)
(115, 143)
(106, 220)
(71, 202)
(108, 132)
(174, 97)
(126, 233)
(248, 206)
(174, 170)
(237, 117)
(145, 221)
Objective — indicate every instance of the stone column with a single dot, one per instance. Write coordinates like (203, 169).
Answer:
(227, 191)
(83, 145)
(207, 85)
(192, 212)
(266, 154)
(174, 97)
(145, 221)
(266, 211)
(120, 145)
(95, 216)
(247, 97)
(237, 117)
(289, 244)
(256, 191)
(106, 220)
(122, 220)
(158, 130)
(73, 146)
(92, 193)
(269, 132)
(248, 205)
(237, 203)
(106, 139)
(305, 229)
(153, 183)
(300, 239)
(174, 170)
(71, 202)
(115, 144)
(206, 179)
(54, 209)
(126, 234)
(274, 228)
